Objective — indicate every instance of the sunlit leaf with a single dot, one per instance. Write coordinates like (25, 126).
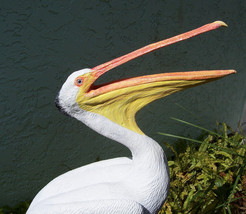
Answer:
(205, 179)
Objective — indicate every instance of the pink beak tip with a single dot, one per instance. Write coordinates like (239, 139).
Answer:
(221, 23)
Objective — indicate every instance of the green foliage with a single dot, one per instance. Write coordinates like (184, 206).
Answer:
(209, 178)
(205, 178)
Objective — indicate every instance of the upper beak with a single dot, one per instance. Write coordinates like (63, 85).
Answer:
(194, 75)
(119, 101)
(103, 68)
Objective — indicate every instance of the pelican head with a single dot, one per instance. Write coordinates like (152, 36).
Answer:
(66, 98)
(120, 100)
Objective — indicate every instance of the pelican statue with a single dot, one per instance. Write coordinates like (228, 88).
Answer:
(136, 185)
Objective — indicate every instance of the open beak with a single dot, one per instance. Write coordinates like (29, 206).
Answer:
(120, 100)
(194, 75)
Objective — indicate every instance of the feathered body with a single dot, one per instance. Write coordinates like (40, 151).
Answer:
(137, 185)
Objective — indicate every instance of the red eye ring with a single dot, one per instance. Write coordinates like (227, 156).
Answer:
(78, 81)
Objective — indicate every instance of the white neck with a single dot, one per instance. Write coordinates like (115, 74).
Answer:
(148, 159)
(139, 145)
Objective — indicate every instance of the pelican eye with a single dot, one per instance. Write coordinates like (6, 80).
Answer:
(78, 81)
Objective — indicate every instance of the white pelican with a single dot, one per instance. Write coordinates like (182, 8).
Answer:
(121, 185)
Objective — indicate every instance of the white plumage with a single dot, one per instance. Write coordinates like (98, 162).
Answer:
(137, 185)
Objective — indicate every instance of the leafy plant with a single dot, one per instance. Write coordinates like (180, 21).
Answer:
(211, 177)
(208, 177)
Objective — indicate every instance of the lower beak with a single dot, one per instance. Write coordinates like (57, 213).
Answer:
(196, 75)
(119, 101)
